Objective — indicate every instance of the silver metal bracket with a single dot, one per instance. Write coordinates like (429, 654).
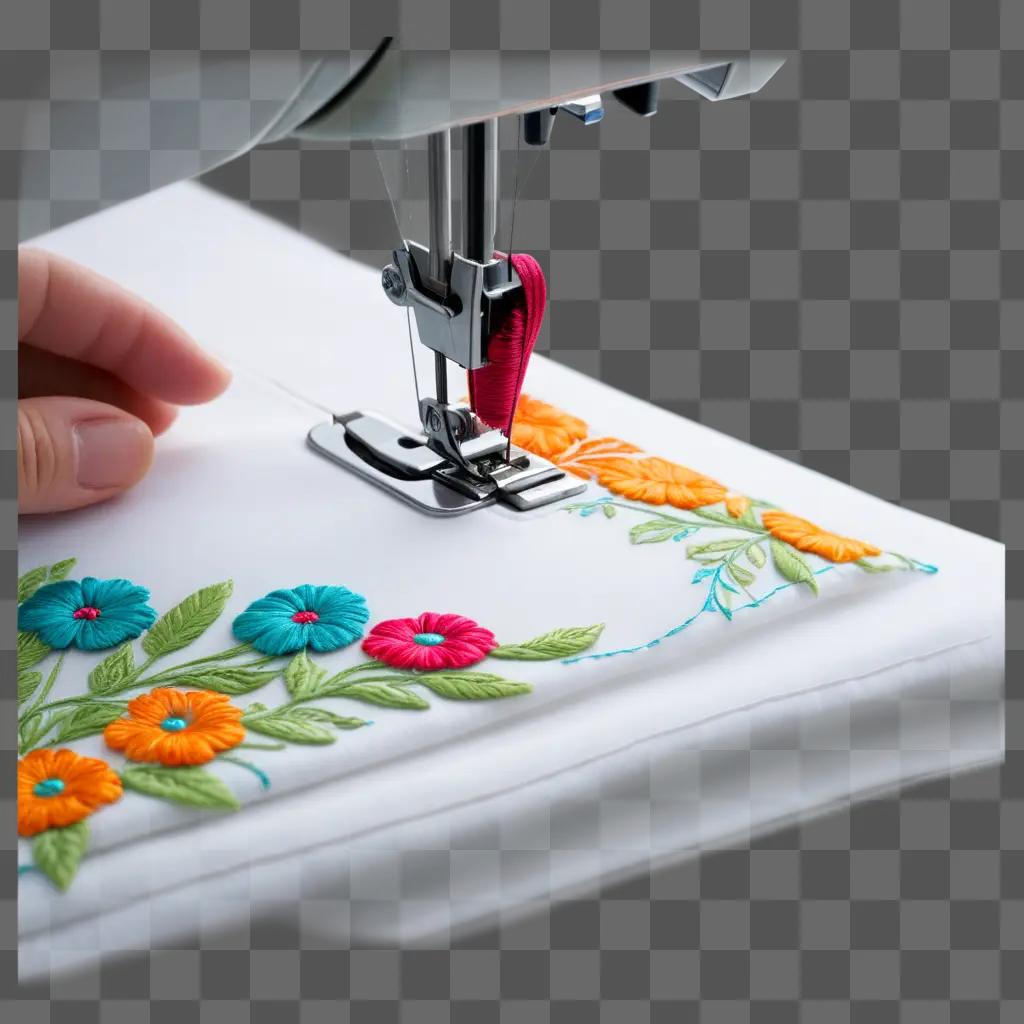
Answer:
(457, 324)
(400, 462)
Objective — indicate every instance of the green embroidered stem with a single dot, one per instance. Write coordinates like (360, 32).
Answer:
(63, 702)
(37, 705)
(334, 686)
(708, 520)
(262, 746)
(734, 554)
(137, 680)
(169, 675)
(231, 652)
(361, 667)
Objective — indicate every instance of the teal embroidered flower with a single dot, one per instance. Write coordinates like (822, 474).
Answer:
(91, 614)
(324, 618)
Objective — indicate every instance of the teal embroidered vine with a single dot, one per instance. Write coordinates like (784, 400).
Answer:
(187, 717)
(729, 566)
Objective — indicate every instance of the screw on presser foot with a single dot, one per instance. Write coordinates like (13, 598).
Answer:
(394, 284)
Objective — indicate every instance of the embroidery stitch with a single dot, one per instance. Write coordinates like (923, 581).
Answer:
(176, 727)
(92, 614)
(324, 618)
(730, 565)
(430, 641)
(170, 735)
(57, 788)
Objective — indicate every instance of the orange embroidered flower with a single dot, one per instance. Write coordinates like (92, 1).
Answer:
(176, 727)
(805, 536)
(59, 787)
(587, 458)
(659, 482)
(544, 430)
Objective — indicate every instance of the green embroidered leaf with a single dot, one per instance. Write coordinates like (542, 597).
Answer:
(744, 577)
(57, 852)
(609, 511)
(472, 685)
(863, 563)
(32, 730)
(187, 621)
(232, 681)
(31, 581)
(189, 785)
(559, 643)
(31, 650)
(28, 683)
(714, 546)
(338, 721)
(114, 671)
(386, 696)
(88, 720)
(654, 531)
(756, 555)
(300, 725)
(715, 517)
(291, 730)
(25, 730)
(303, 675)
(60, 570)
(791, 565)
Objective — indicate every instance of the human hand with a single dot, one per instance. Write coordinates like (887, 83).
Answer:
(100, 372)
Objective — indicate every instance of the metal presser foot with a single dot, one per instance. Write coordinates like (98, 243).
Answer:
(474, 474)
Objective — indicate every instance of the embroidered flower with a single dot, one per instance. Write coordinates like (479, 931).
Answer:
(59, 787)
(544, 430)
(91, 614)
(805, 536)
(430, 642)
(176, 727)
(587, 458)
(659, 482)
(324, 618)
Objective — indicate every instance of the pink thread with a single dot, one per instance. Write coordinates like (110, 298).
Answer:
(494, 389)
(87, 612)
(431, 641)
(305, 617)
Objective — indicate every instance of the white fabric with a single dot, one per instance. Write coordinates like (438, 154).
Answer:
(236, 493)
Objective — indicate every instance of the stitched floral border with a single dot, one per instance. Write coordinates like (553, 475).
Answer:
(187, 717)
(734, 536)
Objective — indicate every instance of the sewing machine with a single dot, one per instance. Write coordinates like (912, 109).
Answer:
(453, 286)
(455, 463)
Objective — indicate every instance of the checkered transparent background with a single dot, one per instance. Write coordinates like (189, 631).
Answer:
(833, 270)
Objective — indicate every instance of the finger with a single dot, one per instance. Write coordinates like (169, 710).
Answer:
(74, 452)
(41, 374)
(71, 311)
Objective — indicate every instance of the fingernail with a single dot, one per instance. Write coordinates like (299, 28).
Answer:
(112, 453)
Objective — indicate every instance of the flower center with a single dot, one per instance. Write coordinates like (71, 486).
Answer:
(87, 612)
(428, 639)
(173, 723)
(48, 787)
(304, 618)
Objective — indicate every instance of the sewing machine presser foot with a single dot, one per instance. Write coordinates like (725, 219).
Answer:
(447, 473)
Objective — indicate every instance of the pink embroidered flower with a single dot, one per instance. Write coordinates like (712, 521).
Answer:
(430, 642)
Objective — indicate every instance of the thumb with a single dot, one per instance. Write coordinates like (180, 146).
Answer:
(74, 452)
